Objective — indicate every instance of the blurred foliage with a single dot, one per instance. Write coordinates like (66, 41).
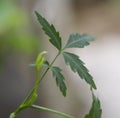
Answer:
(14, 30)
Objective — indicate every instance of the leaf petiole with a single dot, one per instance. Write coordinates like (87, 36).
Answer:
(51, 110)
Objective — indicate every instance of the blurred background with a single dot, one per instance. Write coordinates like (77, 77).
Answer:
(21, 39)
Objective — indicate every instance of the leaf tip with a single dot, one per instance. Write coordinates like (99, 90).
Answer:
(36, 13)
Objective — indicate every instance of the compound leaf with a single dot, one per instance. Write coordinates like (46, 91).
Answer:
(50, 30)
(77, 65)
(78, 41)
(95, 111)
(59, 79)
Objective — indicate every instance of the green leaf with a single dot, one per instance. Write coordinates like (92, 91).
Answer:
(78, 41)
(77, 65)
(59, 79)
(95, 111)
(50, 30)
(40, 60)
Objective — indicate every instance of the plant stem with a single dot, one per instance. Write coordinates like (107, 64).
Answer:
(29, 99)
(49, 66)
(51, 110)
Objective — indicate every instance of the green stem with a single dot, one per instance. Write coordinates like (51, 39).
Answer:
(49, 66)
(29, 98)
(51, 110)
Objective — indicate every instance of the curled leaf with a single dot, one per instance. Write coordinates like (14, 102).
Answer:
(40, 60)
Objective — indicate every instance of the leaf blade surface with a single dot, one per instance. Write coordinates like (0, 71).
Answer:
(78, 41)
(50, 30)
(77, 65)
(59, 79)
(95, 111)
